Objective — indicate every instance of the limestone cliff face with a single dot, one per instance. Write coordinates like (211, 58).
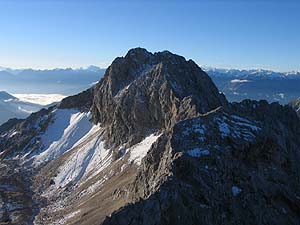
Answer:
(144, 91)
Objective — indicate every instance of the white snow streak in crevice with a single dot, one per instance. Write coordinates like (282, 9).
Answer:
(139, 151)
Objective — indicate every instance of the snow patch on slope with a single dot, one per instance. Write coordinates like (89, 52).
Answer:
(237, 127)
(139, 151)
(68, 127)
(78, 148)
(88, 158)
(73, 136)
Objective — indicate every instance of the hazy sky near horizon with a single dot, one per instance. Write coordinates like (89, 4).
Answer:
(229, 33)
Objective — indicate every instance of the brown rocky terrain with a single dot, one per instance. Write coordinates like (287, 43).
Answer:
(154, 142)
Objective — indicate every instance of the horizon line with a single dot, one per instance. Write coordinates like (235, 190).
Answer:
(203, 67)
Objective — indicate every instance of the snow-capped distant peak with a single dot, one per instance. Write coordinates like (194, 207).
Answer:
(239, 81)
(251, 73)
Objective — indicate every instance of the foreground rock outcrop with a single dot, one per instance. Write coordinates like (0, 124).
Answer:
(154, 142)
(219, 169)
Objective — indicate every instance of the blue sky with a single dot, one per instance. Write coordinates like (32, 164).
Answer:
(229, 34)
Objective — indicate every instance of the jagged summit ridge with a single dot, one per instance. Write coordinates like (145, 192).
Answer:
(144, 91)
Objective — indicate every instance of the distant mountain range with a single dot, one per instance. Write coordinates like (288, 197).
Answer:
(256, 84)
(38, 88)
(59, 81)
(12, 107)
(236, 84)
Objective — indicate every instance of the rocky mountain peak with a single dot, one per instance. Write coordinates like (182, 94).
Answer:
(138, 54)
(141, 55)
(143, 91)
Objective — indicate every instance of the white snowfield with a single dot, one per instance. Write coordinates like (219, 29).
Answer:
(88, 158)
(72, 136)
(68, 127)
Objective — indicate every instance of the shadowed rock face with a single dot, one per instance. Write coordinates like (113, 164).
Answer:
(144, 91)
(82, 101)
(220, 169)
(211, 162)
